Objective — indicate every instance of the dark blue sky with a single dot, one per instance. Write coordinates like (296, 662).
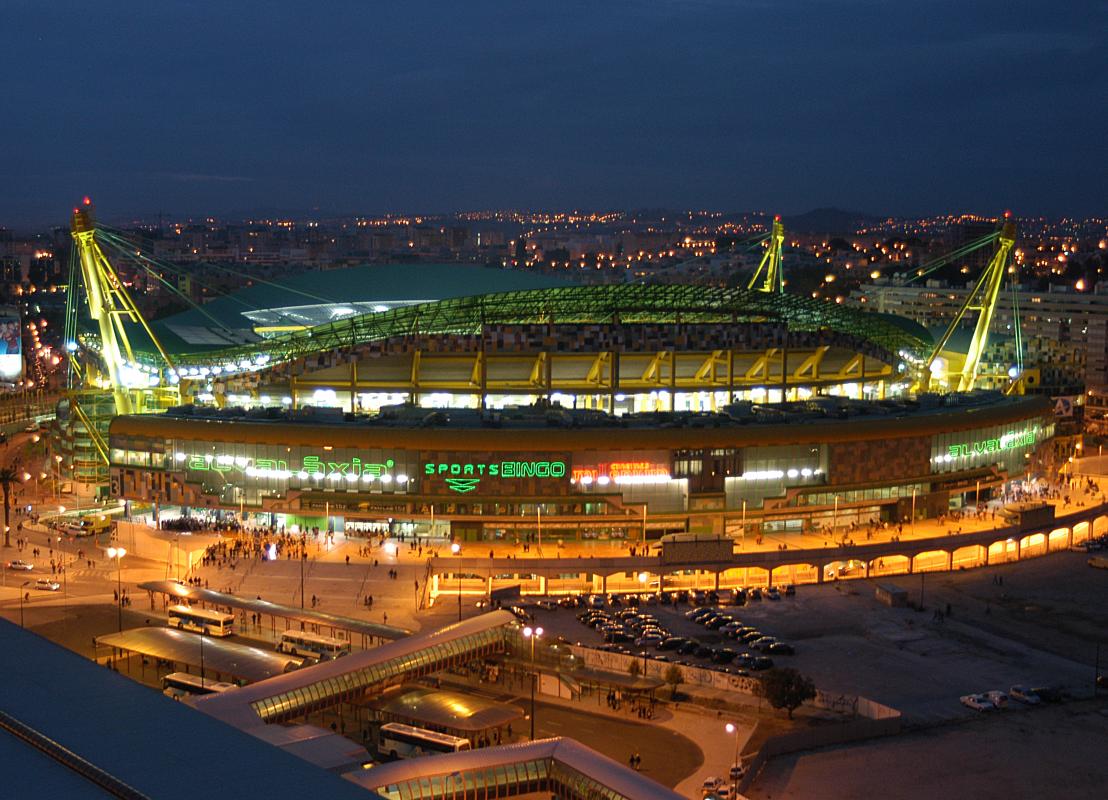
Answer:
(232, 107)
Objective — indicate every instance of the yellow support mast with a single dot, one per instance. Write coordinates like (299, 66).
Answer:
(982, 299)
(774, 278)
(109, 304)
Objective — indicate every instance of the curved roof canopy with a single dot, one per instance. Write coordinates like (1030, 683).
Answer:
(616, 303)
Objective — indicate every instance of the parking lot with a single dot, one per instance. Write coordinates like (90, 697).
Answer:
(665, 631)
(1033, 628)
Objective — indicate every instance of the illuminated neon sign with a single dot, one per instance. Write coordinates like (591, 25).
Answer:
(1008, 441)
(464, 477)
(622, 473)
(315, 468)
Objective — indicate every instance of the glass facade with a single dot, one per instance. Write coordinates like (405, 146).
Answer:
(430, 657)
(770, 471)
(1008, 446)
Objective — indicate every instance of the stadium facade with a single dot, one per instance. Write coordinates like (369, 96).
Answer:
(547, 470)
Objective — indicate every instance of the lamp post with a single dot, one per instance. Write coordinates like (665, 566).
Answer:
(456, 548)
(303, 556)
(532, 634)
(117, 553)
(733, 729)
(743, 546)
(21, 610)
(913, 511)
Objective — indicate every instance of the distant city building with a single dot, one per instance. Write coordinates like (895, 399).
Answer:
(1063, 330)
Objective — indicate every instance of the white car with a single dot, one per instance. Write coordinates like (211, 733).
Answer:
(978, 702)
(997, 698)
(1025, 695)
(47, 585)
(711, 784)
(20, 564)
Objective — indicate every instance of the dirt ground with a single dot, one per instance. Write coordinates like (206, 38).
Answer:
(1045, 752)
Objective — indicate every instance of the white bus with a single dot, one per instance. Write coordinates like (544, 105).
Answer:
(312, 645)
(198, 620)
(182, 684)
(405, 741)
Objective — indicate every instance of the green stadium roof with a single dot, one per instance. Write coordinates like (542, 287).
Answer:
(623, 303)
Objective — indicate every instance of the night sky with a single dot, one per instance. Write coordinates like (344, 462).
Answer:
(233, 108)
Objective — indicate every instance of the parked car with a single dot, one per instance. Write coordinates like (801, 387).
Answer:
(724, 655)
(773, 594)
(780, 649)
(738, 597)
(1049, 694)
(547, 604)
(978, 702)
(704, 651)
(649, 641)
(681, 596)
(689, 647)
(717, 622)
(760, 663)
(672, 643)
(1024, 695)
(790, 590)
(754, 594)
(997, 698)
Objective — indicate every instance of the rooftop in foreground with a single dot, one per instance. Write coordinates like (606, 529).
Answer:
(129, 734)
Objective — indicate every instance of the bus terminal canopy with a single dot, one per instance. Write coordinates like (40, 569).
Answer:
(562, 767)
(194, 594)
(442, 710)
(219, 656)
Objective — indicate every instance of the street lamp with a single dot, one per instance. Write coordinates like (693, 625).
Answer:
(21, 605)
(532, 634)
(117, 553)
(732, 728)
(456, 548)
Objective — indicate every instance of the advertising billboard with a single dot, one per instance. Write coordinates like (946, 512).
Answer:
(11, 348)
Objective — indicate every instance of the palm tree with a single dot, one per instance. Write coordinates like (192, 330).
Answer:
(8, 476)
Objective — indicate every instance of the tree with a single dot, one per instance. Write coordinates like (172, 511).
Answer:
(8, 476)
(634, 669)
(674, 677)
(786, 688)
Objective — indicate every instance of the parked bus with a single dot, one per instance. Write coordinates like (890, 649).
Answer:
(198, 620)
(182, 684)
(312, 645)
(404, 741)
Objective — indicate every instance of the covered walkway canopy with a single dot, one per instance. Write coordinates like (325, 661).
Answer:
(450, 712)
(194, 594)
(560, 767)
(219, 656)
(328, 683)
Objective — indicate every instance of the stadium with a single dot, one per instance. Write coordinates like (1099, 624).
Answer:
(474, 403)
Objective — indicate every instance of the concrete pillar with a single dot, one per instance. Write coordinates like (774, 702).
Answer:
(986, 554)
(950, 560)
(867, 569)
(717, 581)
(820, 571)
(544, 585)
(603, 584)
